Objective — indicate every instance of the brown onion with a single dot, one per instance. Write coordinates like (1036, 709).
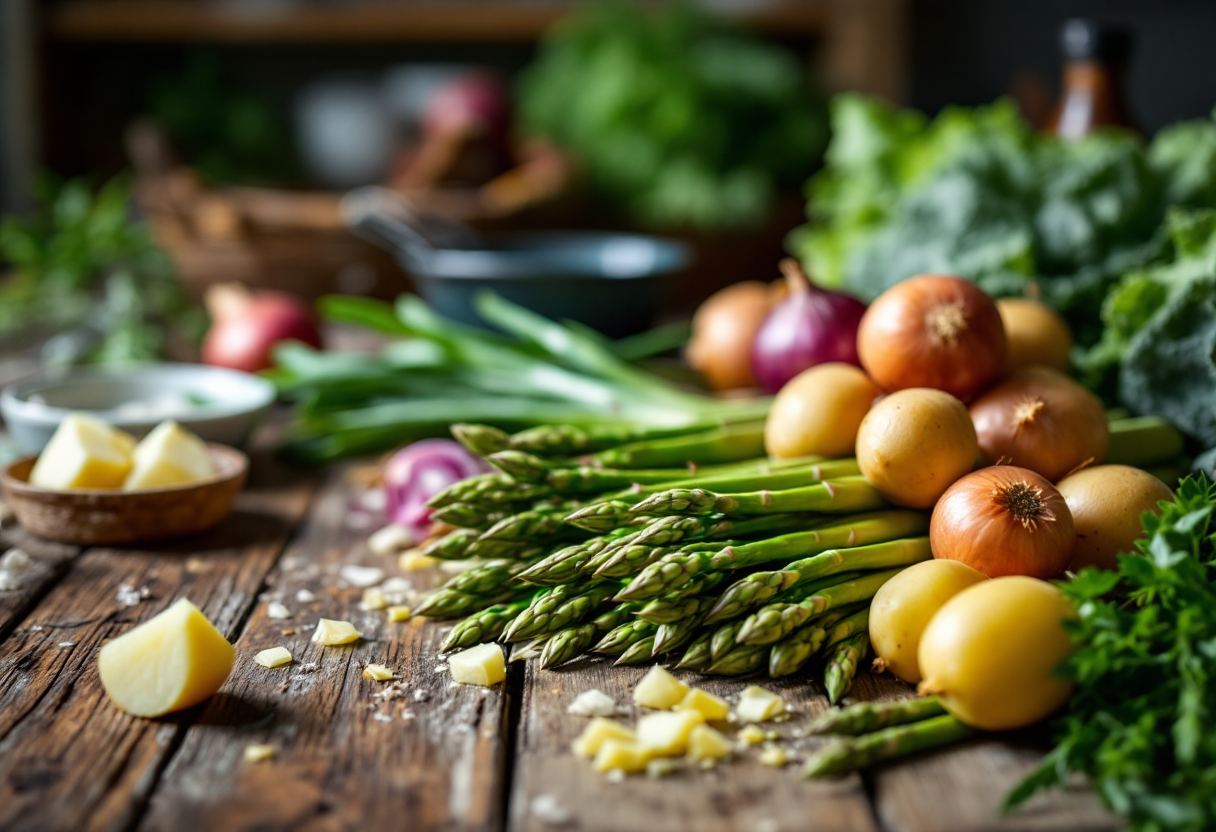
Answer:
(933, 331)
(1041, 420)
(723, 332)
(1004, 521)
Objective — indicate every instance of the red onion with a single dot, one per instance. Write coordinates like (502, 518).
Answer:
(474, 103)
(418, 472)
(811, 326)
(246, 326)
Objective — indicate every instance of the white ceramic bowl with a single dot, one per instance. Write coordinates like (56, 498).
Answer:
(218, 404)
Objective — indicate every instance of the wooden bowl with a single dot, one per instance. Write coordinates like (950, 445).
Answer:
(106, 518)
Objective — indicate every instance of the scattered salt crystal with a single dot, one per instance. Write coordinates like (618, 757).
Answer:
(275, 609)
(382, 717)
(37, 628)
(592, 703)
(397, 591)
(421, 696)
(361, 576)
(616, 775)
(127, 595)
(305, 597)
(441, 668)
(548, 809)
(67, 644)
(309, 667)
(390, 540)
(407, 715)
(16, 570)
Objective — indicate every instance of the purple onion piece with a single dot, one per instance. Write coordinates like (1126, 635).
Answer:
(811, 326)
(418, 472)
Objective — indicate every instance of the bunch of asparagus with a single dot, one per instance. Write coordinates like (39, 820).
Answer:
(640, 542)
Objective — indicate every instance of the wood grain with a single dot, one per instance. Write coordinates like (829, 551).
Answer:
(70, 760)
(51, 561)
(344, 761)
(739, 794)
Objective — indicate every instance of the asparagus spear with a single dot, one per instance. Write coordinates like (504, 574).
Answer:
(453, 603)
(791, 653)
(683, 604)
(627, 561)
(469, 515)
(854, 753)
(601, 517)
(840, 496)
(514, 549)
(567, 644)
(486, 578)
(724, 640)
(528, 649)
(563, 566)
(754, 590)
(619, 639)
(775, 621)
(483, 626)
(489, 489)
(615, 616)
(482, 440)
(640, 651)
(563, 440)
(865, 717)
(726, 444)
(667, 531)
(855, 623)
(842, 664)
(673, 636)
(737, 476)
(520, 465)
(452, 546)
(527, 525)
(740, 660)
(697, 657)
(675, 569)
(559, 608)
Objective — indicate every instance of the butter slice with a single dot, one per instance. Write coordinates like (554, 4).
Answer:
(274, 657)
(85, 452)
(170, 455)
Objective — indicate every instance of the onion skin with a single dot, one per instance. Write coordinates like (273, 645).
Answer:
(818, 412)
(1107, 502)
(247, 326)
(811, 326)
(1004, 521)
(1035, 335)
(914, 444)
(723, 332)
(933, 331)
(1041, 420)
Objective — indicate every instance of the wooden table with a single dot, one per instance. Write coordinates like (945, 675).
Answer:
(442, 757)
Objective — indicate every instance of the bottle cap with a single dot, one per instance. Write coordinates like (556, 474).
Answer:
(1083, 39)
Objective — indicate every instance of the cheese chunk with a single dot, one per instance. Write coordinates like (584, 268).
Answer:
(666, 735)
(705, 743)
(274, 657)
(172, 661)
(598, 731)
(775, 756)
(377, 673)
(85, 452)
(711, 707)
(622, 755)
(330, 633)
(659, 690)
(170, 455)
(401, 612)
(756, 704)
(481, 665)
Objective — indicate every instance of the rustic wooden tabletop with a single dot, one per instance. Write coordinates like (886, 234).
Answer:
(439, 757)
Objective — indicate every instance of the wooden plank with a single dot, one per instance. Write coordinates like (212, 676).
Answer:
(739, 794)
(70, 760)
(50, 562)
(344, 761)
(960, 789)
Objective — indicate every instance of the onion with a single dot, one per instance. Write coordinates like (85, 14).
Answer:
(933, 331)
(723, 332)
(246, 326)
(1040, 420)
(811, 326)
(418, 472)
(471, 104)
(1004, 521)
(1035, 335)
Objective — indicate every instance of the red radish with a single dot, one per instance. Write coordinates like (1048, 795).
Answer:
(247, 325)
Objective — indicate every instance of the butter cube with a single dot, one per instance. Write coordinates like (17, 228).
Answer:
(84, 452)
(373, 599)
(482, 665)
(713, 708)
(757, 704)
(259, 753)
(621, 755)
(666, 735)
(705, 743)
(659, 690)
(751, 735)
(399, 613)
(171, 661)
(170, 455)
(274, 657)
(415, 561)
(377, 673)
(775, 756)
(331, 633)
(598, 731)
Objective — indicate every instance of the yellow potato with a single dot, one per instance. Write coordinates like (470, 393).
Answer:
(818, 412)
(84, 452)
(914, 444)
(1035, 335)
(991, 651)
(1107, 502)
(172, 661)
(904, 605)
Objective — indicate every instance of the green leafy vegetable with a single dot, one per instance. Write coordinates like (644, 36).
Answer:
(677, 120)
(85, 268)
(1140, 721)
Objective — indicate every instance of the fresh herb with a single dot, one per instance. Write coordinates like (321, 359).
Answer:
(676, 119)
(1139, 724)
(86, 269)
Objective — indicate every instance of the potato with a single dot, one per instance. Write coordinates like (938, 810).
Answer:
(818, 412)
(84, 452)
(914, 444)
(171, 661)
(1035, 335)
(660, 690)
(904, 605)
(991, 651)
(1107, 502)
